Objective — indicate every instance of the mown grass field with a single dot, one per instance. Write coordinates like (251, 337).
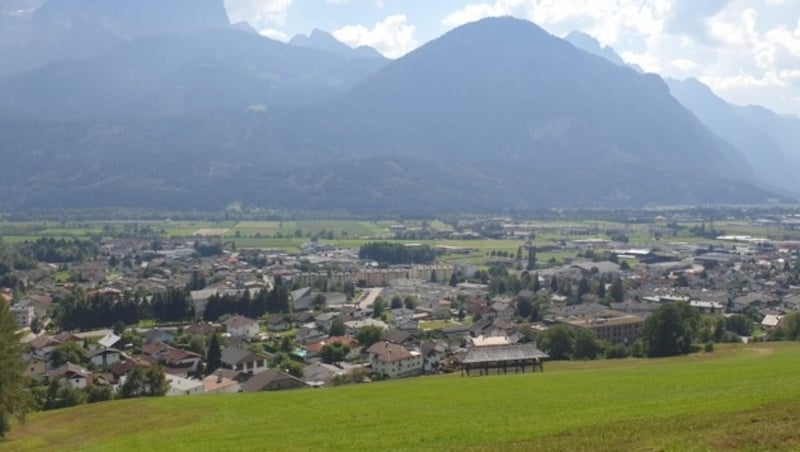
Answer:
(745, 398)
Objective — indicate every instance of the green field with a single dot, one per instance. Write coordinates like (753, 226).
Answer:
(745, 398)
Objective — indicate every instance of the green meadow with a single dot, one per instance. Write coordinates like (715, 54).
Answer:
(740, 398)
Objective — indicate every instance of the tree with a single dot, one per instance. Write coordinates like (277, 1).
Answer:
(410, 302)
(586, 344)
(617, 291)
(68, 352)
(789, 329)
(524, 307)
(453, 280)
(98, 393)
(13, 402)
(557, 341)
(369, 335)
(156, 384)
(670, 330)
(396, 302)
(601, 289)
(144, 383)
(134, 384)
(583, 287)
(739, 324)
(291, 367)
(378, 307)
(334, 353)
(531, 258)
(319, 302)
(214, 354)
(338, 328)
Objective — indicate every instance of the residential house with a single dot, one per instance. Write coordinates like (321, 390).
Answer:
(501, 310)
(490, 341)
(321, 374)
(398, 336)
(272, 380)
(179, 386)
(771, 321)
(24, 312)
(279, 322)
(244, 361)
(174, 360)
(68, 336)
(314, 348)
(121, 368)
(105, 357)
(219, 383)
(309, 335)
(392, 360)
(43, 345)
(325, 320)
(353, 326)
(433, 354)
(243, 327)
(302, 299)
(456, 332)
(200, 329)
(35, 366)
(159, 335)
(110, 340)
(72, 374)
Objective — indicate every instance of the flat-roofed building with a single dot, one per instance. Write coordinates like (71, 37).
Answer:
(610, 326)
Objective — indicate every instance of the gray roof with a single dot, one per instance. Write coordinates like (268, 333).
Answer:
(235, 355)
(259, 381)
(503, 353)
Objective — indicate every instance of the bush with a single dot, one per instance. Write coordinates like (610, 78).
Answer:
(617, 351)
(709, 347)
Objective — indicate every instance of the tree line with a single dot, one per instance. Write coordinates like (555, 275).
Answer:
(77, 310)
(397, 253)
(253, 306)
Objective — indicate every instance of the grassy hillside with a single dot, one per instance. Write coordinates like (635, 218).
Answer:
(743, 397)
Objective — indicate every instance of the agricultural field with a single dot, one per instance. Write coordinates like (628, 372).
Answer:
(289, 236)
(741, 398)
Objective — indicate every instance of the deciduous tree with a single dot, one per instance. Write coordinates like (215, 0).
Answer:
(12, 383)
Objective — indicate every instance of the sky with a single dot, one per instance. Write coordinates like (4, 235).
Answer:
(747, 51)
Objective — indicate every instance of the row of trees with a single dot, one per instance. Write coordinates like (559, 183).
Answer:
(79, 311)
(397, 253)
(60, 251)
(273, 301)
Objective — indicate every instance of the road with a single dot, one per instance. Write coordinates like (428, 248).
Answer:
(369, 297)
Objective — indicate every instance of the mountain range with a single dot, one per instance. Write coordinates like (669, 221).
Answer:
(769, 142)
(191, 112)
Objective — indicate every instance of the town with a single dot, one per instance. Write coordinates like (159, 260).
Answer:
(132, 312)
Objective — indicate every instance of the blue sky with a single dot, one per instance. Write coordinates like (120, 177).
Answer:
(748, 51)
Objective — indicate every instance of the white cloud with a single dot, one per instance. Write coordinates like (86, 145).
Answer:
(684, 64)
(393, 36)
(258, 12)
(605, 20)
(274, 34)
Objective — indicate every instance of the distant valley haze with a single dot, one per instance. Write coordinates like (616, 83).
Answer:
(187, 104)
